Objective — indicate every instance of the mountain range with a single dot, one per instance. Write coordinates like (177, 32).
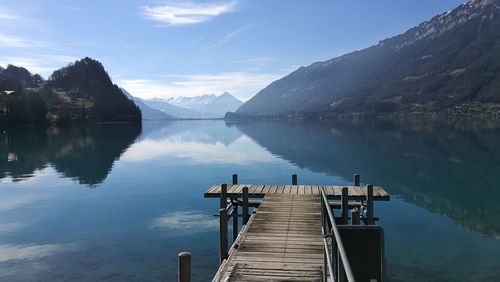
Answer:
(205, 106)
(449, 64)
(148, 113)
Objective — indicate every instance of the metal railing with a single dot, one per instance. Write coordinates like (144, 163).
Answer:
(331, 261)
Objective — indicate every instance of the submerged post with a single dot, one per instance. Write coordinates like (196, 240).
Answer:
(223, 196)
(294, 179)
(223, 234)
(356, 180)
(245, 205)
(355, 216)
(184, 267)
(235, 179)
(369, 204)
(345, 205)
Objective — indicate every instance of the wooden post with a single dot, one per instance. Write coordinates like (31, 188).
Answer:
(245, 205)
(223, 196)
(223, 234)
(355, 216)
(184, 267)
(294, 179)
(345, 205)
(369, 204)
(235, 179)
(356, 180)
(234, 200)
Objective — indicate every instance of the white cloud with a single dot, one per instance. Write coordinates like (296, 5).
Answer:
(226, 38)
(186, 221)
(14, 42)
(7, 14)
(241, 84)
(43, 64)
(10, 203)
(181, 13)
(6, 228)
(10, 252)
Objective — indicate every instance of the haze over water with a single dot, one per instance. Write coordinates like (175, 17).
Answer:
(116, 202)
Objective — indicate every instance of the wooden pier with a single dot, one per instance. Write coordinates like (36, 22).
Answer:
(333, 192)
(293, 235)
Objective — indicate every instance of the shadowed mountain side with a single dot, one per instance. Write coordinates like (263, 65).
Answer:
(199, 131)
(85, 153)
(454, 169)
(447, 65)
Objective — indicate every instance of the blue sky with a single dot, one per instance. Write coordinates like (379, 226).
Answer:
(157, 48)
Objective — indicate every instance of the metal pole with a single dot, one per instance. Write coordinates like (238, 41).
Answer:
(184, 267)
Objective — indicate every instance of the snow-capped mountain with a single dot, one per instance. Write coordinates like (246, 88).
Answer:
(192, 102)
(204, 106)
(148, 113)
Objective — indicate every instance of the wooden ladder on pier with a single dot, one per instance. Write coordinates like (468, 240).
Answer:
(282, 241)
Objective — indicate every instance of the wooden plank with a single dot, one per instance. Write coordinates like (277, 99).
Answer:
(280, 189)
(232, 189)
(338, 190)
(308, 190)
(329, 190)
(315, 190)
(355, 193)
(301, 189)
(281, 242)
(273, 189)
(287, 189)
(214, 189)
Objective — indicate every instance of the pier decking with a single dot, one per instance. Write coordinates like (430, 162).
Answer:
(282, 242)
(292, 234)
(333, 192)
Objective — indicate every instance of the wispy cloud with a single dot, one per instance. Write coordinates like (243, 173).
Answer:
(7, 14)
(14, 42)
(186, 221)
(226, 38)
(241, 84)
(29, 252)
(73, 8)
(10, 203)
(6, 228)
(182, 13)
(43, 64)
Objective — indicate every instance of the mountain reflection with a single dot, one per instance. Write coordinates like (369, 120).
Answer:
(448, 167)
(85, 153)
(200, 141)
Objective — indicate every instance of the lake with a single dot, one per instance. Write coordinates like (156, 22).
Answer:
(115, 202)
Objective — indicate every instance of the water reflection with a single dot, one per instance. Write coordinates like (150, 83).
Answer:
(84, 153)
(449, 167)
(206, 142)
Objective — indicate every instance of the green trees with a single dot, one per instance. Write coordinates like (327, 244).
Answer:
(80, 92)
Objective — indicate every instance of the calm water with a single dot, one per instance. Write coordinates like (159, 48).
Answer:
(117, 203)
